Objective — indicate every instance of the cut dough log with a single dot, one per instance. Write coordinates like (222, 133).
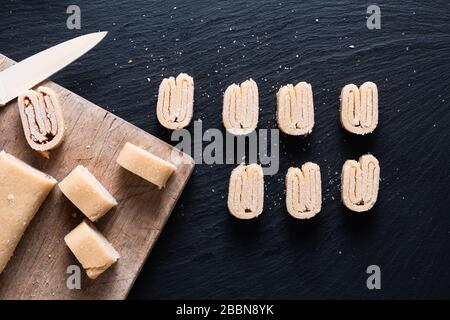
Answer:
(91, 249)
(145, 165)
(295, 109)
(246, 191)
(241, 108)
(42, 119)
(87, 193)
(359, 108)
(360, 181)
(22, 191)
(304, 191)
(175, 102)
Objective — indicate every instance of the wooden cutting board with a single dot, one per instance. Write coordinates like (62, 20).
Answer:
(93, 138)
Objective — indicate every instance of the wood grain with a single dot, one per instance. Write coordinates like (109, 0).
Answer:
(94, 138)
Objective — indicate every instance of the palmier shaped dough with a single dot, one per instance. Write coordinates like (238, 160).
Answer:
(304, 191)
(175, 102)
(295, 109)
(359, 108)
(42, 119)
(246, 191)
(360, 181)
(241, 108)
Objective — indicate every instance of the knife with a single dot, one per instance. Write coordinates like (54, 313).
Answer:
(29, 72)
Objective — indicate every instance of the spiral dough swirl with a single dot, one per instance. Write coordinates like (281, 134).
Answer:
(175, 102)
(360, 182)
(246, 191)
(359, 108)
(241, 108)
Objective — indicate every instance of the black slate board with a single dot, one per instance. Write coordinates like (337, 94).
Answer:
(205, 253)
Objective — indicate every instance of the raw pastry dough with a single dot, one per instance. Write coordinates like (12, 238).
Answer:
(145, 165)
(91, 249)
(241, 108)
(42, 119)
(175, 101)
(304, 191)
(22, 191)
(360, 181)
(87, 193)
(295, 109)
(246, 191)
(359, 108)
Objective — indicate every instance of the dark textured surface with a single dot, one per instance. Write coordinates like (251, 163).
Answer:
(203, 252)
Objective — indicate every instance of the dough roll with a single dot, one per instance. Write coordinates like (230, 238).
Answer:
(295, 109)
(42, 119)
(175, 102)
(360, 181)
(359, 108)
(246, 191)
(23, 189)
(304, 191)
(241, 108)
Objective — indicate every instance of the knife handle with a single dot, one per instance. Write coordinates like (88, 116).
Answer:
(2, 95)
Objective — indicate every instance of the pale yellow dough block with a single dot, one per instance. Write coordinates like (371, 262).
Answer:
(87, 193)
(91, 249)
(146, 165)
(23, 189)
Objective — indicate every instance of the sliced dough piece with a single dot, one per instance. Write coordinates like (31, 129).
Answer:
(42, 119)
(91, 249)
(87, 193)
(241, 108)
(246, 191)
(23, 189)
(175, 102)
(359, 108)
(360, 181)
(304, 191)
(295, 109)
(145, 165)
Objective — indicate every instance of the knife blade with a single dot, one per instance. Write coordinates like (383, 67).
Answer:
(35, 69)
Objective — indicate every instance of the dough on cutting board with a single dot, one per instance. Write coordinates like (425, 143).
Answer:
(295, 109)
(241, 108)
(91, 249)
(359, 108)
(304, 191)
(246, 191)
(23, 189)
(175, 101)
(42, 119)
(360, 182)
(145, 164)
(87, 193)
